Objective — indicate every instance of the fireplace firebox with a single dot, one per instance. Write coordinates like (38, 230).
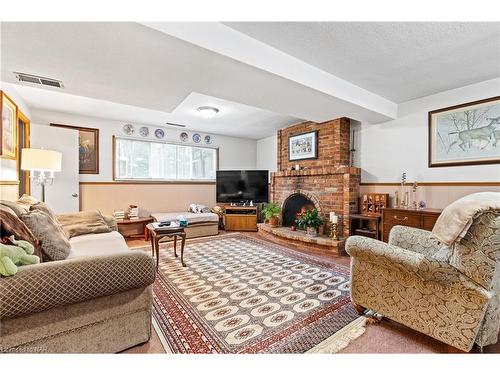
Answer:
(294, 206)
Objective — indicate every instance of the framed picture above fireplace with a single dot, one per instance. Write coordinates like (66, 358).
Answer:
(303, 146)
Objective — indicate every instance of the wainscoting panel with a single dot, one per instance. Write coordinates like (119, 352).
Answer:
(435, 194)
(110, 196)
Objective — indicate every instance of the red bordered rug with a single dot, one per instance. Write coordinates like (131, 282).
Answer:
(243, 295)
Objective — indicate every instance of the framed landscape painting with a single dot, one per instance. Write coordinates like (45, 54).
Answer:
(303, 146)
(88, 148)
(465, 134)
(8, 127)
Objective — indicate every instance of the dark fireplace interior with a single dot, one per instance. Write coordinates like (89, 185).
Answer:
(295, 205)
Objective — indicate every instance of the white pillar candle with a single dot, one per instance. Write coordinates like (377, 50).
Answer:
(297, 167)
(334, 218)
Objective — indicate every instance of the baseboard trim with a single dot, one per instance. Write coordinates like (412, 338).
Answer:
(147, 183)
(460, 183)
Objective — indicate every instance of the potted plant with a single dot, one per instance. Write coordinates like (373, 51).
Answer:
(271, 213)
(311, 221)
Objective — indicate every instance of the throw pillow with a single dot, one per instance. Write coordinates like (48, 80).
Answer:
(84, 222)
(55, 244)
(17, 208)
(43, 207)
(12, 225)
(198, 208)
(26, 201)
(111, 222)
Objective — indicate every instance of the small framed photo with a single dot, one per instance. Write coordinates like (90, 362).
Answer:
(303, 146)
(465, 134)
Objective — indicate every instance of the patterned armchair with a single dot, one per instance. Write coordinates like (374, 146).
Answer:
(452, 295)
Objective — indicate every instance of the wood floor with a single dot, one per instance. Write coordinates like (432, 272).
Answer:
(385, 336)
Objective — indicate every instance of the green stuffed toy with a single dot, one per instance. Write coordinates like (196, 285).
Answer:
(15, 253)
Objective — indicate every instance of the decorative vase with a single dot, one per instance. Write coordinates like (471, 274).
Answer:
(293, 228)
(312, 232)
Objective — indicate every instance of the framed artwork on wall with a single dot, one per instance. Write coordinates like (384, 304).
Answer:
(88, 148)
(8, 127)
(303, 146)
(465, 134)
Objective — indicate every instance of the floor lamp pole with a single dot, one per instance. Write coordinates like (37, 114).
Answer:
(43, 191)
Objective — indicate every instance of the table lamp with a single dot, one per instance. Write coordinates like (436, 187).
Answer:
(45, 162)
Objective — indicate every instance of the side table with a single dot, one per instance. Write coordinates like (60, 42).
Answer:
(365, 225)
(130, 228)
(156, 234)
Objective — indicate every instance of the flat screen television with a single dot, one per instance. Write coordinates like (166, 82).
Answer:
(242, 186)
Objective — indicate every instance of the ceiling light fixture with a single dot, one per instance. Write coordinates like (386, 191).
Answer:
(208, 112)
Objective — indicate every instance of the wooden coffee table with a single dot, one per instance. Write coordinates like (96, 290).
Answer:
(156, 234)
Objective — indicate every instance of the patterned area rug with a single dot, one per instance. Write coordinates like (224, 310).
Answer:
(243, 295)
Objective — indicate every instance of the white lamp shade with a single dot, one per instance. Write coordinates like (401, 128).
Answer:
(34, 159)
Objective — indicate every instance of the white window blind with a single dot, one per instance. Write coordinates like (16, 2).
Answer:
(145, 160)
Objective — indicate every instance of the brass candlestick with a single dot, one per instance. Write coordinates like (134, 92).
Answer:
(333, 231)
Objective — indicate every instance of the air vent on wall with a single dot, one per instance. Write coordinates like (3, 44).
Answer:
(174, 124)
(23, 77)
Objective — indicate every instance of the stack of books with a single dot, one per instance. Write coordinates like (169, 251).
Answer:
(119, 215)
(134, 213)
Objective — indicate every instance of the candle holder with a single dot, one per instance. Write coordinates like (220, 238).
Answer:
(333, 231)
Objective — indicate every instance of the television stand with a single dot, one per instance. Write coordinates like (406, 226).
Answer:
(241, 218)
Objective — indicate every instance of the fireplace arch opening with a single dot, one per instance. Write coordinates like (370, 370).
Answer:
(294, 205)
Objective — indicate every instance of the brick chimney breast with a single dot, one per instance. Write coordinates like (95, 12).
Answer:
(328, 180)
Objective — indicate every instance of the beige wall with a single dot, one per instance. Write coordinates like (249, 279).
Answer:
(9, 192)
(109, 197)
(435, 196)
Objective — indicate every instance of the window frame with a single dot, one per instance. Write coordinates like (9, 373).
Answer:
(161, 180)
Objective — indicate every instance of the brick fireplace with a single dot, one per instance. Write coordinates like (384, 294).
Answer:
(328, 181)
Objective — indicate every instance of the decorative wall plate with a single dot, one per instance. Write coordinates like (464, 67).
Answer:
(128, 129)
(196, 138)
(144, 131)
(159, 133)
(208, 139)
(184, 137)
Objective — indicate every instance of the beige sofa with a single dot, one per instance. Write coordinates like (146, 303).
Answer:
(98, 300)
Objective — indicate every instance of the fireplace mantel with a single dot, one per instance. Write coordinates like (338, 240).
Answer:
(318, 172)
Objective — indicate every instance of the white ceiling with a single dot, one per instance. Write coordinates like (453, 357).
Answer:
(131, 64)
(233, 119)
(263, 76)
(399, 61)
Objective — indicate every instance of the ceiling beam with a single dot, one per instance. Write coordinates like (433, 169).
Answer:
(228, 42)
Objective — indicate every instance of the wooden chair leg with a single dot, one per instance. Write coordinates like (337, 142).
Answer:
(360, 309)
(157, 250)
(182, 249)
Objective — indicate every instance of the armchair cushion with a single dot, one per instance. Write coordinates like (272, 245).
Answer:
(47, 285)
(413, 239)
